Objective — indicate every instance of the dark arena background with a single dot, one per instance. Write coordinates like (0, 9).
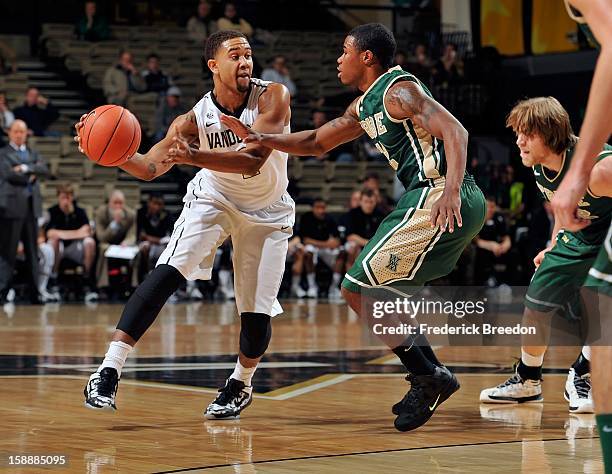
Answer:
(323, 391)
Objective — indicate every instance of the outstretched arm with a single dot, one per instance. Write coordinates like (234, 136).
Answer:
(307, 143)
(407, 100)
(596, 127)
(150, 165)
(274, 115)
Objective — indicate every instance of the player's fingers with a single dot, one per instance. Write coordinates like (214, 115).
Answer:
(434, 215)
(450, 219)
(457, 213)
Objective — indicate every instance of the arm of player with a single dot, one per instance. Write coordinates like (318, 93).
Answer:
(601, 177)
(151, 165)
(307, 143)
(274, 115)
(407, 100)
(596, 127)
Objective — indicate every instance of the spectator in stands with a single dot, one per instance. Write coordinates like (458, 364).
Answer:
(70, 235)
(170, 108)
(355, 199)
(154, 78)
(115, 225)
(361, 224)
(279, 72)
(420, 64)
(342, 153)
(7, 55)
(231, 21)
(401, 59)
(153, 226)
(37, 112)
(121, 80)
(91, 26)
(20, 207)
(201, 26)
(449, 68)
(319, 234)
(384, 204)
(6, 117)
(492, 243)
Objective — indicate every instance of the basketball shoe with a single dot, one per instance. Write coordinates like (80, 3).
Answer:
(578, 392)
(514, 390)
(426, 393)
(101, 389)
(234, 397)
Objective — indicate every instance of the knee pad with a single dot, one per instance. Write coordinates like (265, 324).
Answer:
(255, 334)
(146, 302)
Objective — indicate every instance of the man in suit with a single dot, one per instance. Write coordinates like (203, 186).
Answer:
(20, 206)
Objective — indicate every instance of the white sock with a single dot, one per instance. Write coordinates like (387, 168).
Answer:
(295, 282)
(310, 277)
(242, 373)
(586, 352)
(532, 361)
(336, 279)
(116, 356)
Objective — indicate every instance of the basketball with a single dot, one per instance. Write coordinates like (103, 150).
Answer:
(110, 135)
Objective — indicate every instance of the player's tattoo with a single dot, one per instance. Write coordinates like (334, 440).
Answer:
(190, 117)
(152, 169)
(413, 102)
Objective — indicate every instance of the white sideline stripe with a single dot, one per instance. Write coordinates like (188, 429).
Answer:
(311, 388)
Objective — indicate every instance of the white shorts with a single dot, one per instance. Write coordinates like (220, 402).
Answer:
(328, 256)
(259, 240)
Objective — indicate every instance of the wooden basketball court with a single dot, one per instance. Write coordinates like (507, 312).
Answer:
(323, 403)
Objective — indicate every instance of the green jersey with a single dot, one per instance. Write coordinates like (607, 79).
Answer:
(597, 209)
(416, 155)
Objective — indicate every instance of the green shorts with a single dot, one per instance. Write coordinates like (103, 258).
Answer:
(407, 251)
(556, 283)
(600, 274)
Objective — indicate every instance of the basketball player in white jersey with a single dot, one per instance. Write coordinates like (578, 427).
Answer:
(239, 192)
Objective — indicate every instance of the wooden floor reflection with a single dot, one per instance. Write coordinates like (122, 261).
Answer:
(323, 403)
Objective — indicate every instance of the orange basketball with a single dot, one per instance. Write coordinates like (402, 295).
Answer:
(110, 135)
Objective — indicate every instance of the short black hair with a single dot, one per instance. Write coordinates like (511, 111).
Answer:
(378, 39)
(214, 41)
(367, 192)
(319, 199)
(372, 175)
(153, 55)
(156, 195)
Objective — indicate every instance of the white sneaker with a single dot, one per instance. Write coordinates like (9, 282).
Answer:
(335, 294)
(195, 293)
(578, 392)
(91, 296)
(228, 293)
(514, 390)
(312, 292)
(47, 297)
(10, 296)
(299, 292)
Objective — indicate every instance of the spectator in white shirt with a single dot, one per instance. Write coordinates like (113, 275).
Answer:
(279, 72)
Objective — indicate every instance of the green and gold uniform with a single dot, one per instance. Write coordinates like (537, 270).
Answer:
(405, 249)
(557, 281)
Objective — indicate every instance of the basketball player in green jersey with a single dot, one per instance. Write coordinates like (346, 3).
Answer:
(547, 145)
(596, 129)
(440, 213)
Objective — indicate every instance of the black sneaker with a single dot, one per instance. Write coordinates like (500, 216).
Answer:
(101, 389)
(426, 393)
(232, 399)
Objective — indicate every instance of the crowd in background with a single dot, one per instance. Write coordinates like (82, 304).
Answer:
(105, 255)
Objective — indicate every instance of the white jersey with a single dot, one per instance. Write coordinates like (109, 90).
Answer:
(247, 193)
